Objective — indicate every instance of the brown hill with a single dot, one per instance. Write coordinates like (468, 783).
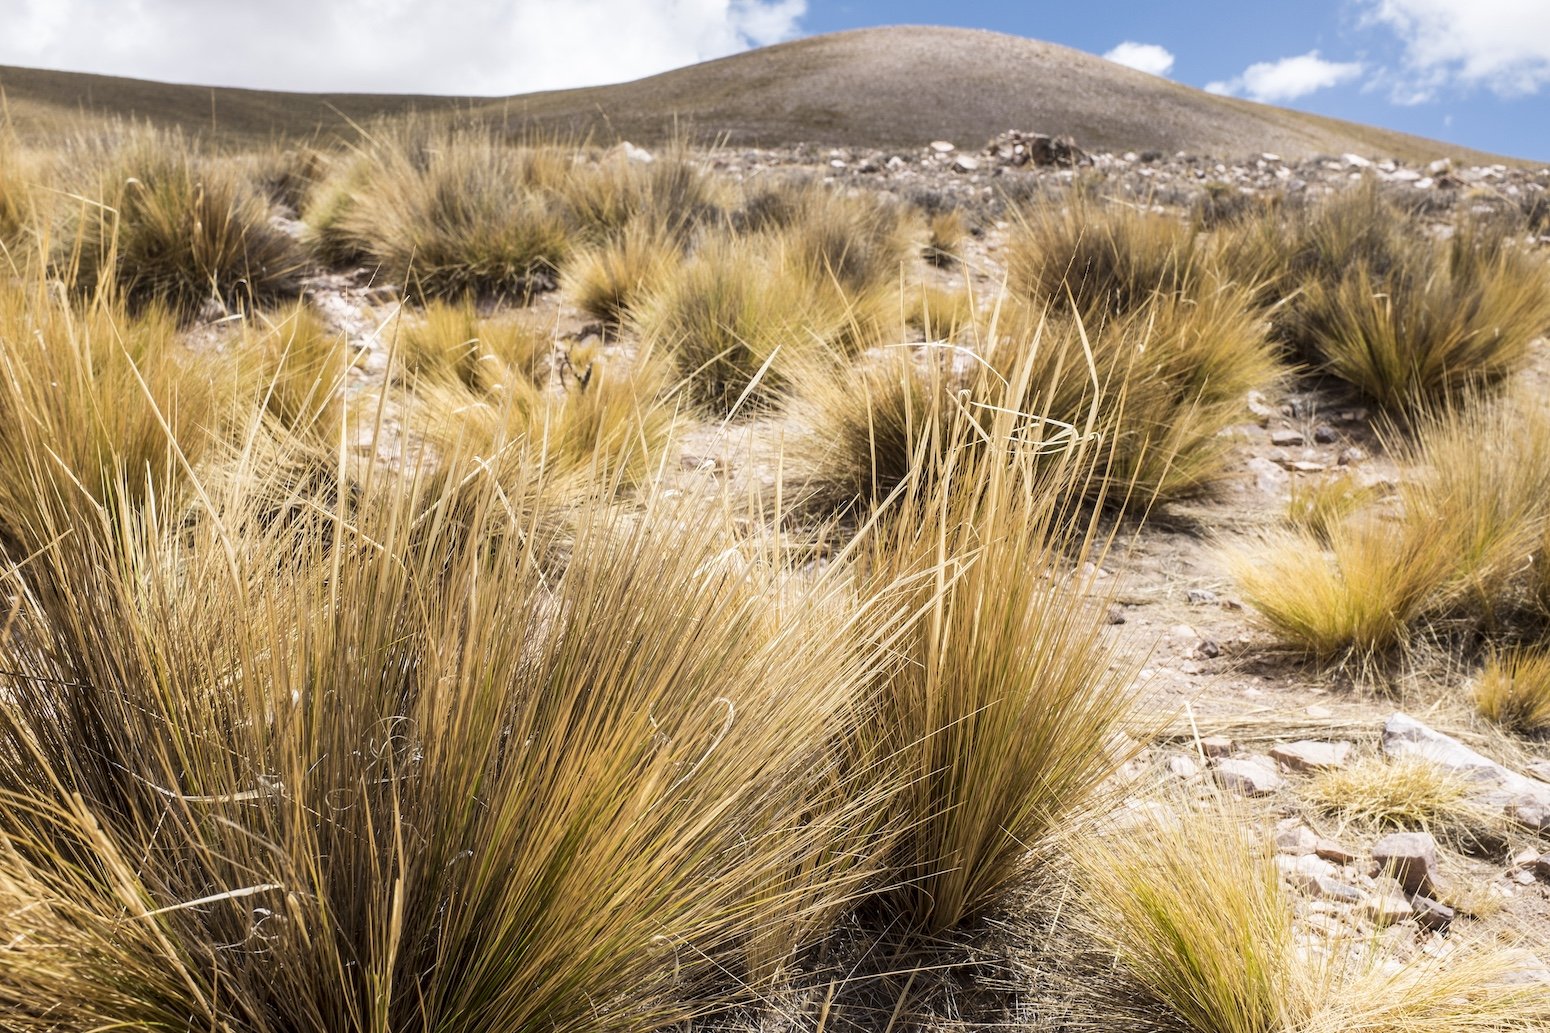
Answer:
(888, 88)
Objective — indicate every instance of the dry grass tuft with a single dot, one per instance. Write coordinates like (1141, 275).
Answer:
(999, 722)
(450, 342)
(945, 232)
(1193, 908)
(610, 280)
(174, 229)
(1112, 259)
(1435, 327)
(1159, 385)
(737, 324)
(298, 366)
(448, 213)
(613, 428)
(1319, 507)
(1410, 793)
(1514, 690)
(1355, 597)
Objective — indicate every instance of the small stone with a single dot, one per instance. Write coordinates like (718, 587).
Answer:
(1430, 914)
(1331, 888)
(1200, 597)
(1309, 755)
(836, 163)
(1286, 438)
(895, 163)
(1524, 858)
(1352, 456)
(1268, 477)
(1248, 776)
(1542, 868)
(1114, 615)
(1333, 852)
(1183, 767)
(1209, 649)
(1216, 746)
(1386, 909)
(1260, 407)
(942, 147)
(1356, 161)
(1324, 434)
(1411, 858)
(1297, 840)
(1305, 466)
(1539, 769)
(965, 163)
(1319, 713)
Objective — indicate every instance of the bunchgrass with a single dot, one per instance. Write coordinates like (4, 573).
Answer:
(297, 366)
(1318, 507)
(1404, 793)
(1192, 906)
(1355, 597)
(736, 322)
(610, 280)
(1001, 719)
(447, 213)
(449, 341)
(1109, 259)
(1438, 325)
(1159, 385)
(169, 227)
(376, 783)
(1513, 690)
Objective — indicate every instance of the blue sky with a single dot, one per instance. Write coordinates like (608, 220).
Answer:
(1474, 72)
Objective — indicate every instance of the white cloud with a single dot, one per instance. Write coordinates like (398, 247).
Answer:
(1275, 82)
(1503, 45)
(1143, 57)
(487, 47)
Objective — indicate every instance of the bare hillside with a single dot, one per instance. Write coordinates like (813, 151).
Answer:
(887, 87)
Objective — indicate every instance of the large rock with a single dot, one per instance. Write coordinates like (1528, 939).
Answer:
(1525, 800)
(1310, 755)
(1411, 858)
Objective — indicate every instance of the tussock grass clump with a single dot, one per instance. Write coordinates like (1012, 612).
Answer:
(857, 240)
(1482, 492)
(288, 175)
(874, 425)
(1199, 919)
(610, 280)
(671, 194)
(1000, 719)
(1514, 691)
(99, 409)
(428, 791)
(1356, 596)
(938, 313)
(449, 213)
(1158, 385)
(1411, 793)
(17, 210)
(179, 230)
(736, 323)
(1320, 506)
(450, 342)
(612, 428)
(1193, 908)
(1111, 258)
(945, 233)
(297, 365)
(1436, 326)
